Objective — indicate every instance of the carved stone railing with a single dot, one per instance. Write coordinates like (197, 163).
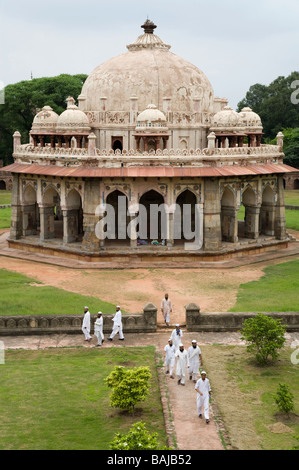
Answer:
(145, 322)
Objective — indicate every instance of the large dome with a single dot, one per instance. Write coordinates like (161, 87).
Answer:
(150, 72)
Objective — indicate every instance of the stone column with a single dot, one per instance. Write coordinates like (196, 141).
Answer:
(133, 213)
(280, 220)
(192, 317)
(28, 220)
(150, 316)
(46, 222)
(16, 140)
(170, 229)
(90, 215)
(229, 224)
(92, 145)
(133, 109)
(267, 219)
(16, 212)
(212, 216)
(70, 225)
(211, 143)
(252, 218)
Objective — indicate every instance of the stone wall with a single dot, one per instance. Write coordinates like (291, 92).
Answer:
(217, 322)
(11, 325)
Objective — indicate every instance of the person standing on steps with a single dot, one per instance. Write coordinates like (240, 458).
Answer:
(86, 324)
(117, 325)
(203, 390)
(166, 309)
(169, 358)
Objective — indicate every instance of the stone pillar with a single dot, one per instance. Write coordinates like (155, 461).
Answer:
(70, 225)
(16, 140)
(212, 216)
(28, 220)
(170, 229)
(16, 212)
(211, 143)
(46, 222)
(280, 220)
(192, 317)
(133, 213)
(133, 109)
(150, 315)
(267, 219)
(90, 215)
(92, 145)
(279, 140)
(82, 102)
(252, 218)
(103, 101)
(229, 224)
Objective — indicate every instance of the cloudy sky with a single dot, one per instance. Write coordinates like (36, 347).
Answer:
(235, 43)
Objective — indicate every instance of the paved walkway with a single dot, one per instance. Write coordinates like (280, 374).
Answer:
(191, 432)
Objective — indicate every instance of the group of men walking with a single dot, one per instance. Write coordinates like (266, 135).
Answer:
(176, 356)
(188, 361)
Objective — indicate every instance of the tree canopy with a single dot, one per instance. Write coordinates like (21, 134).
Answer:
(274, 104)
(23, 100)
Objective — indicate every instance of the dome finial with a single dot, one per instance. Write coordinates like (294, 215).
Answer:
(148, 26)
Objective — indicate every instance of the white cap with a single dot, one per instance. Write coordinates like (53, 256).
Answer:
(117, 306)
(194, 341)
(100, 313)
(203, 372)
(181, 344)
(170, 339)
(86, 307)
(177, 324)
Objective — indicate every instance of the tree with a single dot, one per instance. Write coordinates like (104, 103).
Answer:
(265, 336)
(284, 399)
(290, 146)
(23, 100)
(138, 438)
(273, 104)
(129, 386)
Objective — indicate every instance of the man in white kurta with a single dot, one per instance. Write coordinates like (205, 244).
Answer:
(176, 336)
(98, 329)
(169, 358)
(117, 325)
(203, 390)
(195, 358)
(86, 324)
(181, 364)
(166, 309)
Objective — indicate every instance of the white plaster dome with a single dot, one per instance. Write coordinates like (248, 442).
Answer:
(227, 118)
(45, 120)
(151, 120)
(149, 71)
(73, 119)
(250, 119)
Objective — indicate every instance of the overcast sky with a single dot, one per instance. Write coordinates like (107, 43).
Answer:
(235, 43)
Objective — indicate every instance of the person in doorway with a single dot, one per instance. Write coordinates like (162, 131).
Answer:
(203, 390)
(86, 324)
(166, 309)
(117, 325)
(195, 357)
(182, 363)
(169, 361)
(98, 329)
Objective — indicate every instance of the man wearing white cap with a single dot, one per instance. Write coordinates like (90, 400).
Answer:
(117, 325)
(176, 336)
(169, 358)
(194, 355)
(98, 329)
(86, 324)
(203, 390)
(182, 363)
(166, 309)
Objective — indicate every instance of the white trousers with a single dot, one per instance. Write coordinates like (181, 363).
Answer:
(193, 371)
(86, 333)
(181, 376)
(169, 364)
(203, 402)
(99, 336)
(119, 329)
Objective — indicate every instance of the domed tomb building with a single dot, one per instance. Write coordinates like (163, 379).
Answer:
(147, 154)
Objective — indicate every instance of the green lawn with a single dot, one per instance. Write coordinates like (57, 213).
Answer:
(18, 297)
(291, 197)
(276, 291)
(5, 197)
(57, 399)
(5, 216)
(244, 393)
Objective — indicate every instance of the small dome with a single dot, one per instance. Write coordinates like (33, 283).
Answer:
(45, 120)
(151, 119)
(250, 119)
(72, 119)
(225, 119)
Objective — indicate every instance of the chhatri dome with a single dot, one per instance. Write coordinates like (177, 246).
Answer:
(72, 119)
(150, 72)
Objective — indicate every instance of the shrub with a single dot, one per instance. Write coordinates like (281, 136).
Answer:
(129, 386)
(284, 399)
(265, 336)
(138, 438)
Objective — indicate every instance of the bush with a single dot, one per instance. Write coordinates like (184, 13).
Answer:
(129, 386)
(284, 399)
(138, 438)
(265, 336)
